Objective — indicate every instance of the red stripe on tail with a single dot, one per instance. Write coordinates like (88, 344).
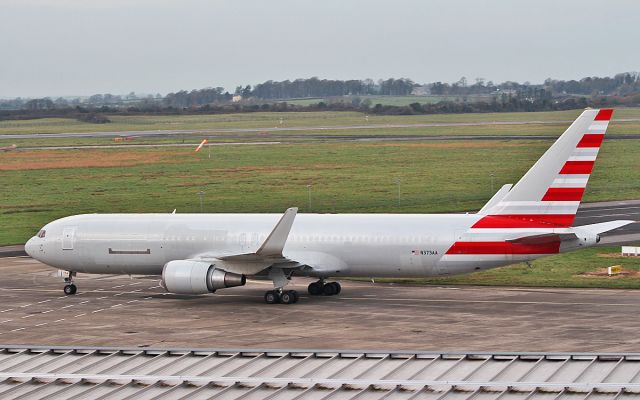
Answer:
(577, 167)
(591, 140)
(503, 248)
(563, 194)
(604, 114)
(525, 221)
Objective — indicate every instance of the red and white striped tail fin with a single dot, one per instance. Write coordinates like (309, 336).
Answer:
(549, 194)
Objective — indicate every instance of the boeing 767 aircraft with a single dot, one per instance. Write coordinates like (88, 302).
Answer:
(202, 253)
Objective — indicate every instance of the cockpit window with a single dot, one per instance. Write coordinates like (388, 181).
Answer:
(42, 233)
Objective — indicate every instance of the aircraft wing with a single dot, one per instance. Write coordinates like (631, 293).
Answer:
(268, 255)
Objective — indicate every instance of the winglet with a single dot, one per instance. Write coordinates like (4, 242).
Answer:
(278, 237)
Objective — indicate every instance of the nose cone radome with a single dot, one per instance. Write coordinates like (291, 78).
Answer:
(30, 247)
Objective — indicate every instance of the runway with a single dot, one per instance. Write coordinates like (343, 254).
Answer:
(211, 132)
(275, 140)
(119, 311)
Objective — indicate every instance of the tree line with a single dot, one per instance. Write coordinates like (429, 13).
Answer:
(480, 96)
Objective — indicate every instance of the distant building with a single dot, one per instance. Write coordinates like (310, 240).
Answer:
(237, 98)
(424, 90)
(511, 92)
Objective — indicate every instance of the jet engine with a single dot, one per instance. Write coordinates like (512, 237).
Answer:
(197, 277)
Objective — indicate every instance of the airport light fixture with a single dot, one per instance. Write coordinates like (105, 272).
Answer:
(398, 181)
(201, 194)
(309, 191)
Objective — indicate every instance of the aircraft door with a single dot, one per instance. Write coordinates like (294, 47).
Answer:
(68, 237)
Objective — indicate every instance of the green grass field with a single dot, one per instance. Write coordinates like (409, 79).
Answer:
(346, 177)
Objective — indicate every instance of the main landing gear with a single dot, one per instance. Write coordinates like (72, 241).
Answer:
(291, 296)
(69, 287)
(280, 280)
(281, 296)
(321, 288)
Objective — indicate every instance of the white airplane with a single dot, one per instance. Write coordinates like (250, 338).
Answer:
(201, 253)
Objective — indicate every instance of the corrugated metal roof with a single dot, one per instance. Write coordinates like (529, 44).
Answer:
(143, 373)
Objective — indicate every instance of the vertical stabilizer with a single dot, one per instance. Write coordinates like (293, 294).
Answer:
(550, 192)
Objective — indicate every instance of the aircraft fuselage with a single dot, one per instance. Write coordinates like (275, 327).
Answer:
(400, 245)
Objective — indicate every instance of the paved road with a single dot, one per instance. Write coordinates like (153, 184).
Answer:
(319, 139)
(119, 311)
(210, 132)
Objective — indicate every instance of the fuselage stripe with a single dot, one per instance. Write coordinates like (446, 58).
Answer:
(503, 248)
(525, 221)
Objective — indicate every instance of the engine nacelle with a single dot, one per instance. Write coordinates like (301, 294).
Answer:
(197, 277)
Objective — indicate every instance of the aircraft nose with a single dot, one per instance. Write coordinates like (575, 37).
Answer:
(30, 247)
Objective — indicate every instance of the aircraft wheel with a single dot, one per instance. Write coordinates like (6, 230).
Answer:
(70, 289)
(296, 296)
(288, 297)
(315, 288)
(337, 286)
(271, 297)
(330, 289)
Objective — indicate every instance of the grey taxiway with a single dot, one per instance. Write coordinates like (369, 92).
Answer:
(120, 311)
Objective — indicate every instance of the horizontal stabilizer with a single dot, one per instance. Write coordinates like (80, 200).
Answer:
(543, 238)
(605, 226)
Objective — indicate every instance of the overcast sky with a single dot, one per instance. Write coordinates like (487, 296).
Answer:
(83, 47)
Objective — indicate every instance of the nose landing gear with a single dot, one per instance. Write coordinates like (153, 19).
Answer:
(69, 287)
